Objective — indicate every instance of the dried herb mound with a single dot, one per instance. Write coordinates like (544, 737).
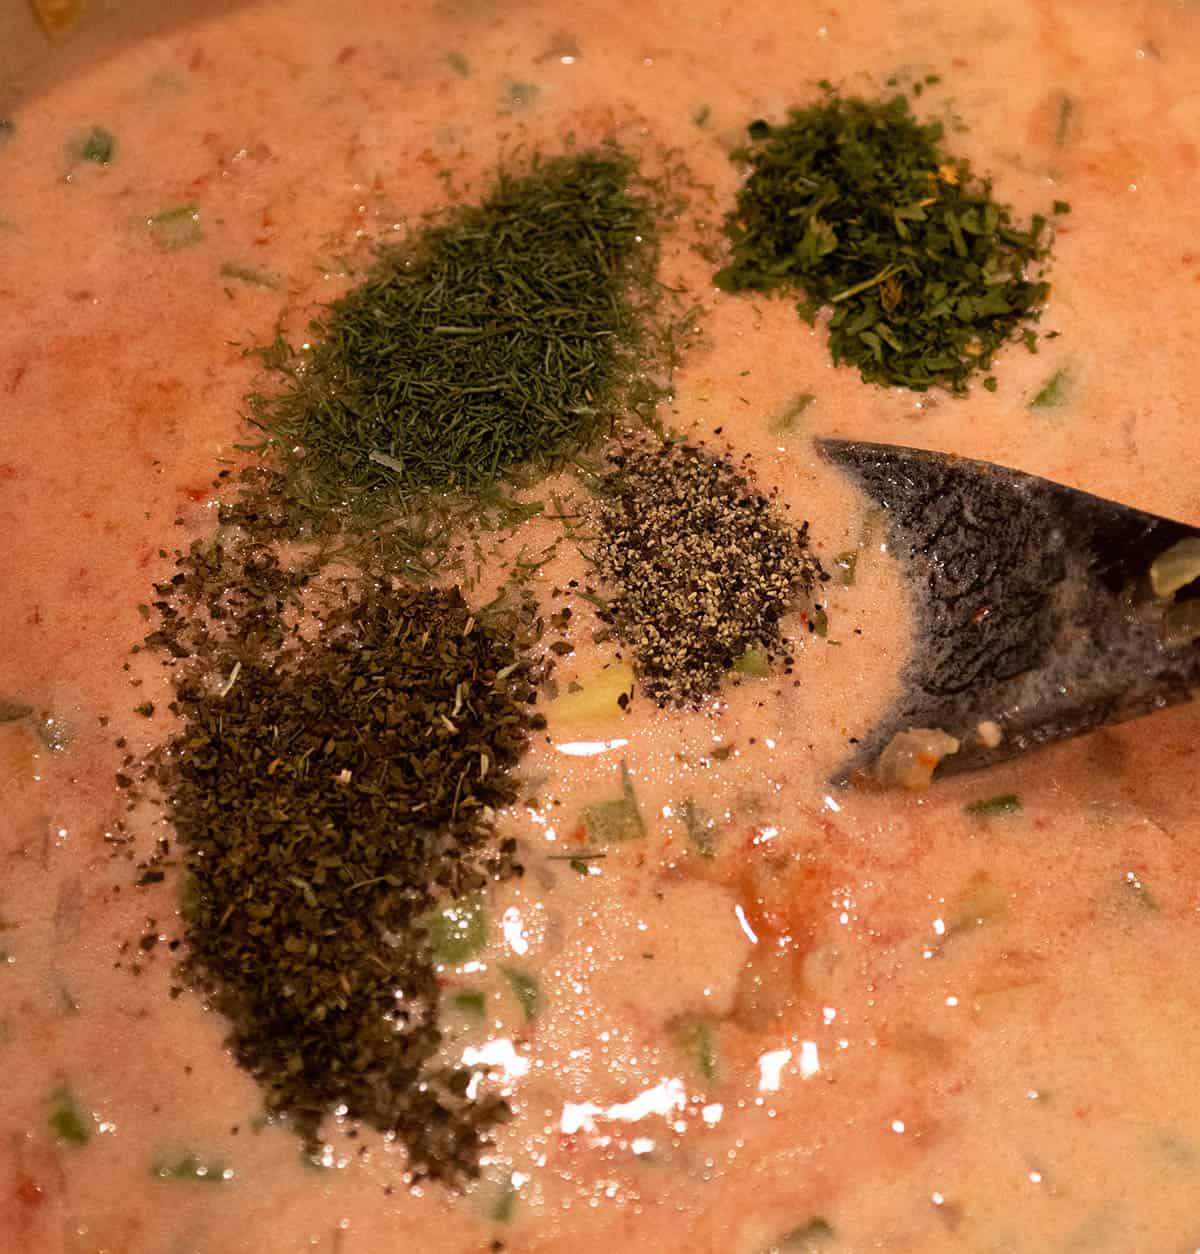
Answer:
(325, 797)
(505, 333)
(704, 566)
(857, 204)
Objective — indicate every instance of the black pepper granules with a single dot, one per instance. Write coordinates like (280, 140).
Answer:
(704, 566)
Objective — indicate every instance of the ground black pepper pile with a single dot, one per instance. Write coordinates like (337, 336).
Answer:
(703, 566)
(325, 795)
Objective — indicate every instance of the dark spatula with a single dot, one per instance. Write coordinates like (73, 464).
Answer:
(1025, 597)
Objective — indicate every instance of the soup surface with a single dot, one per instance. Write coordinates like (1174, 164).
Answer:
(855, 1022)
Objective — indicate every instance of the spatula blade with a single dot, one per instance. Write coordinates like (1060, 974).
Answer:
(1021, 601)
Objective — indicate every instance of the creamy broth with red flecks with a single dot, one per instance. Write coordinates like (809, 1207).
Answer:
(875, 1022)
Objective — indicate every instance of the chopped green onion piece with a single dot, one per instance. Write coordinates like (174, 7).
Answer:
(754, 664)
(188, 1165)
(248, 274)
(175, 228)
(701, 827)
(788, 419)
(98, 146)
(699, 1041)
(1055, 392)
(518, 95)
(526, 990)
(458, 930)
(820, 622)
(807, 1239)
(459, 64)
(611, 822)
(13, 711)
(505, 1202)
(470, 1002)
(1065, 129)
(67, 1121)
(988, 807)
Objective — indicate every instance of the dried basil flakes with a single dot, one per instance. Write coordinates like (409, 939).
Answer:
(327, 795)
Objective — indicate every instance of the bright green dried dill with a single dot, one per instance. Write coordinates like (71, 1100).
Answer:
(857, 205)
(500, 335)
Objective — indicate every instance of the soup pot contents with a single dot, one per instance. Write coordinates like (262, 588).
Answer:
(432, 634)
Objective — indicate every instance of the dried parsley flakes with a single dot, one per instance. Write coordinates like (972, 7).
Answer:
(703, 565)
(505, 333)
(858, 206)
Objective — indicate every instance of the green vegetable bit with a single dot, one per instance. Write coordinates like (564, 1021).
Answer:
(188, 1165)
(1055, 392)
(1065, 126)
(249, 274)
(516, 96)
(68, 1121)
(526, 990)
(504, 335)
(470, 1002)
(98, 146)
(813, 1237)
(459, 64)
(176, 228)
(504, 1201)
(700, 826)
(754, 664)
(612, 822)
(858, 206)
(790, 418)
(992, 807)
(698, 1039)
(459, 930)
(13, 711)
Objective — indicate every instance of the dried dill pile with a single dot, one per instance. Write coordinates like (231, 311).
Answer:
(325, 796)
(703, 566)
(859, 206)
(504, 334)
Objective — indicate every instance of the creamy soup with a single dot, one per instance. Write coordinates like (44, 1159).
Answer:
(866, 1022)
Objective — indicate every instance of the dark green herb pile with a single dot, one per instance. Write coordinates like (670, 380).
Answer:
(326, 796)
(703, 566)
(506, 333)
(858, 206)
